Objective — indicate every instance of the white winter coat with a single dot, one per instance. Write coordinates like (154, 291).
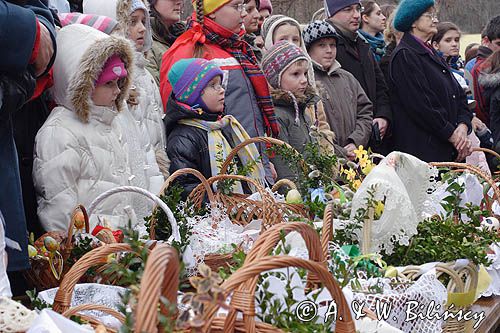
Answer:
(149, 112)
(80, 150)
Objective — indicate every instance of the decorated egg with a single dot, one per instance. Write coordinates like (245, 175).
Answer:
(79, 220)
(32, 252)
(490, 223)
(50, 244)
(293, 197)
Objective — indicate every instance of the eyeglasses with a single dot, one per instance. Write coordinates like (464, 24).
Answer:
(351, 9)
(215, 86)
(240, 7)
(432, 16)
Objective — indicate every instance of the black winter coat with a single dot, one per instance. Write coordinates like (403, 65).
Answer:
(356, 57)
(491, 85)
(427, 101)
(187, 146)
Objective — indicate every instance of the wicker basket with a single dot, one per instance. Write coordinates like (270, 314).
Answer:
(463, 280)
(40, 275)
(243, 298)
(288, 208)
(161, 278)
(214, 261)
(240, 209)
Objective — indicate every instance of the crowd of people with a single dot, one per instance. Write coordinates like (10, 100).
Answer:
(99, 94)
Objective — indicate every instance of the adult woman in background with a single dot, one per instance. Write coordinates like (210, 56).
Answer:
(371, 26)
(166, 26)
(431, 120)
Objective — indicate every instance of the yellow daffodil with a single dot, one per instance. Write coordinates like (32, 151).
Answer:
(366, 170)
(360, 152)
(364, 161)
(350, 174)
(379, 209)
(356, 184)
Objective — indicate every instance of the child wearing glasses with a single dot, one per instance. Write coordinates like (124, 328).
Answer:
(215, 33)
(195, 124)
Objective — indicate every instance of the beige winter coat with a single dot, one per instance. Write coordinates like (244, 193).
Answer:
(348, 110)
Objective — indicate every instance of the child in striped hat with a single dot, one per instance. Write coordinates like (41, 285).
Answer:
(296, 103)
(195, 123)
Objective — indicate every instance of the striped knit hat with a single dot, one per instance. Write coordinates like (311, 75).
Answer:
(189, 77)
(278, 59)
(99, 22)
(210, 6)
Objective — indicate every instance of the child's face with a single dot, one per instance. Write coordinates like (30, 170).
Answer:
(449, 44)
(324, 51)
(287, 32)
(294, 78)
(106, 94)
(213, 95)
(137, 28)
(231, 15)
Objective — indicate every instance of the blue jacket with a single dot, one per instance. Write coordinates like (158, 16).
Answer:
(428, 102)
(17, 83)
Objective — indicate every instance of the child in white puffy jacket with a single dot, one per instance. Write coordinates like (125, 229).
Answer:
(80, 151)
(133, 21)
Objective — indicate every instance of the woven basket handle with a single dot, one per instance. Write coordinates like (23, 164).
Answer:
(327, 231)
(246, 298)
(94, 307)
(161, 278)
(158, 201)
(72, 224)
(258, 139)
(62, 300)
(170, 179)
(283, 182)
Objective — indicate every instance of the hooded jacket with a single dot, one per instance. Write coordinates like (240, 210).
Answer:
(294, 131)
(80, 149)
(149, 111)
(490, 83)
(348, 109)
(187, 145)
(481, 109)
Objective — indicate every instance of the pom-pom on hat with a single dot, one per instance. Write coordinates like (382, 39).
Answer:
(189, 77)
(408, 12)
(278, 59)
(333, 6)
(210, 6)
(317, 30)
(113, 69)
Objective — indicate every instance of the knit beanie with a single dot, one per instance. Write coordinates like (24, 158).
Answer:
(408, 12)
(278, 59)
(270, 25)
(266, 4)
(333, 6)
(101, 23)
(189, 77)
(317, 30)
(114, 68)
(210, 6)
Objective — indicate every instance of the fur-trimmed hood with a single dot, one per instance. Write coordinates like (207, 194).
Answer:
(119, 10)
(281, 97)
(80, 58)
(489, 81)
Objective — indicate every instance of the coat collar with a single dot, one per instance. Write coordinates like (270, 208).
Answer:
(410, 42)
(334, 68)
(103, 114)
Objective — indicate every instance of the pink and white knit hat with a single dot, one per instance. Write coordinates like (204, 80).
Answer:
(113, 69)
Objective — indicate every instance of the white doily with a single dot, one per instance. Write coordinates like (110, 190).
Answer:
(213, 233)
(404, 182)
(494, 271)
(14, 317)
(402, 300)
(92, 293)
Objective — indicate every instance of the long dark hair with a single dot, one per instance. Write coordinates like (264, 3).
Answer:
(442, 29)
